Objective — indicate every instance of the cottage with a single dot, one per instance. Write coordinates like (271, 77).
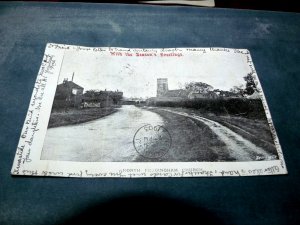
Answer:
(68, 94)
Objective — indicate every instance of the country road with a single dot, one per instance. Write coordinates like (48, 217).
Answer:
(239, 148)
(106, 139)
(110, 139)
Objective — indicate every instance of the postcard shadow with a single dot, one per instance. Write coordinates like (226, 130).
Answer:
(144, 209)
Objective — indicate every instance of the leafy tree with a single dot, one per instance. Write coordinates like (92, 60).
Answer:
(90, 93)
(239, 90)
(198, 87)
(250, 84)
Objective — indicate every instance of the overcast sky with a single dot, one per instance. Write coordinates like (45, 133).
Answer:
(137, 76)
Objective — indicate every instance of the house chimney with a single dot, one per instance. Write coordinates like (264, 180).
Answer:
(72, 76)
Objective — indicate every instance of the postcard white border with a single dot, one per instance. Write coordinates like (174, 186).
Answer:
(27, 159)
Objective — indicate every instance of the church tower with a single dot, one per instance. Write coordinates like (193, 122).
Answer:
(162, 86)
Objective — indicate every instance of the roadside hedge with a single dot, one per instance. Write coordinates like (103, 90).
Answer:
(251, 108)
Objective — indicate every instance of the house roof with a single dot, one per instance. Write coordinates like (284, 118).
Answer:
(70, 84)
(176, 93)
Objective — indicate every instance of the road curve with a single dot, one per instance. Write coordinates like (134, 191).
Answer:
(108, 139)
(239, 148)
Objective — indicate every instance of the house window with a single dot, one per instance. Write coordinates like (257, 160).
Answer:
(75, 91)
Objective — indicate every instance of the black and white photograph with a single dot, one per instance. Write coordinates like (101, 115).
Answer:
(158, 108)
(130, 113)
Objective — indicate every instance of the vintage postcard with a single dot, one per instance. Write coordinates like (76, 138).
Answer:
(120, 112)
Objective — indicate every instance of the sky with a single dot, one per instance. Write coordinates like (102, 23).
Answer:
(137, 76)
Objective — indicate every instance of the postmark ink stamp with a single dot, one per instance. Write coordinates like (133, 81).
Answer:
(152, 141)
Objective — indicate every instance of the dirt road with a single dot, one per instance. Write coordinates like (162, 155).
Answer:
(238, 147)
(106, 139)
(110, 139)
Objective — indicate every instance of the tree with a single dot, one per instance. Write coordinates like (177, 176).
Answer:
(250, 84)
(238, 90)
(91, 93)
(198, 87)
(180, 85)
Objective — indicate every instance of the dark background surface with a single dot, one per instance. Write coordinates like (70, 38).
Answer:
(274, 5)
(273, 40)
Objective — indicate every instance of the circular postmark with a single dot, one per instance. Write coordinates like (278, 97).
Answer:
(152, 141)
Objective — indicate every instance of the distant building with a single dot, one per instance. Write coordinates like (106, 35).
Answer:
(68, 94)
(227, 94)
(116, 96)
(197, 95)
(194, 91)
(94, 99)
(98, 102)
(162, 86)
(164, 94)
(176, 93)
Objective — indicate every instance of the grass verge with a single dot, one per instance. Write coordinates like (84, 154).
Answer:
(255, 130)
(192, 141)
(76, 116)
